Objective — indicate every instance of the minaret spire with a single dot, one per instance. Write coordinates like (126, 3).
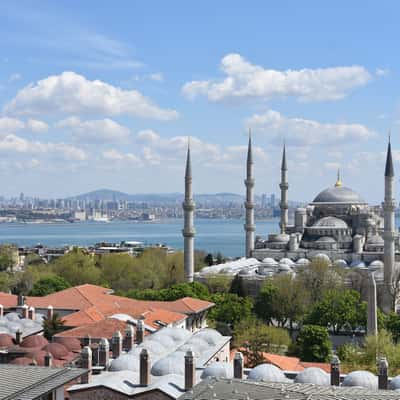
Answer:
(188, 231)
(284, 186)
(249, 226)
(389, 233)
(339, 180)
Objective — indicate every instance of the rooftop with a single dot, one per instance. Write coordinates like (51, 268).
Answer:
(30, 382)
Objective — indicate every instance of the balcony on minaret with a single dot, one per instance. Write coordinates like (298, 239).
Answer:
(284, 205)
(188, 205)
(284, 186)
(188, 232)
(249, 182)
(249, 205)
(249, 227)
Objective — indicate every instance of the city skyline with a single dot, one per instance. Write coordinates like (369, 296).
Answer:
(92, 100)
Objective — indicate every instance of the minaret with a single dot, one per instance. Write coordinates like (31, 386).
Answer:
(249, 226)
(188, 231)
(284, 186)
(389, 206)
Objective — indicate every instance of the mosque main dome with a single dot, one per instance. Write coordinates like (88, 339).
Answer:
(338, 194)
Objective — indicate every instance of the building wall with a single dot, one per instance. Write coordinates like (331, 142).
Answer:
(102, 393)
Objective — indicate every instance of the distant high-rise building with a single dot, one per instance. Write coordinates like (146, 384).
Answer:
(272, 201)
(263, 200)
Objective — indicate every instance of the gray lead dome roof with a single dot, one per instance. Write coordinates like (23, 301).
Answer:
(339, 194)
(330, 222)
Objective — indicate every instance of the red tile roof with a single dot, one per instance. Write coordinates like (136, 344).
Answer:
(97, 330)
(286, 363)
(91, 303)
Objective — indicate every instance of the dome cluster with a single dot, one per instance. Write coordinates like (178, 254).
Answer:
(12, 322)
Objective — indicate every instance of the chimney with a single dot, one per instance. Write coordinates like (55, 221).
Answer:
(87, 341)
(25, 311)
(238, 364)
(48, 360)
(31, 313)
(129, 338)
(144, 368)
(86, 360)
(116, 344)
(140, 331)
(383, 373)
(104, 352)
(189, 370)
(335, 371)
(50, 313)
(1, 311)
(20, 300)
(18, 337)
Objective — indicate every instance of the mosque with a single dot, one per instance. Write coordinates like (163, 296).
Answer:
(338, 225)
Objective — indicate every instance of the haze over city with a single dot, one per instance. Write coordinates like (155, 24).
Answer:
(322, 78)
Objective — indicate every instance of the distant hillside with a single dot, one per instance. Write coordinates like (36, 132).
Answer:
(111, 195)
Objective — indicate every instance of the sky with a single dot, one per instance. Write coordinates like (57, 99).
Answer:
(105, 95)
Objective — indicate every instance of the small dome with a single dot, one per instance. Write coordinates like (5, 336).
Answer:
(38, 356)
(279, 238)
(34, 341)
(375, 240)
(176, 334)
(330, 222)
(340, 263)
(211, 336)
(395, 383)
(363, 379)
(269, 262)
(6, 340)
(218, 370)
(284, 267)
(302, 262)
(326, 239)
(321, 257)
(12, 316)
(286, 261)
(313, 375)
(267, 373)
(164, 340)
(71, 343)
(168, 365)
(125, 362)
(57, 350)
(377, 264)
(339, 194)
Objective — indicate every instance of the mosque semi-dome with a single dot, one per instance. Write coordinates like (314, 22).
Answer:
(339, 194)
(331, 222)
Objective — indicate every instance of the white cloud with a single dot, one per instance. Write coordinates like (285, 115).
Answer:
(121, 158)
(94, 131)
(246, 80)
(37, 126)
(382, 72)
(70, 93)
(332, 165)
(8, 125)
(300, 132)
(15, 144)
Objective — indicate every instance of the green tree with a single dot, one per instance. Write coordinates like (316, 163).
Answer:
(209, 259)
(230, 308)
(7, 281)
(8, 257)
(392, 324)
(282, 299)
(319, 277)
(77, 268)
(338, 309)
(254, 339)
(48, 285)
(313, 344)
(53, 326)
(218, 283)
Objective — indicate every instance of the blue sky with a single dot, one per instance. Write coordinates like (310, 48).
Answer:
(104, 94)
